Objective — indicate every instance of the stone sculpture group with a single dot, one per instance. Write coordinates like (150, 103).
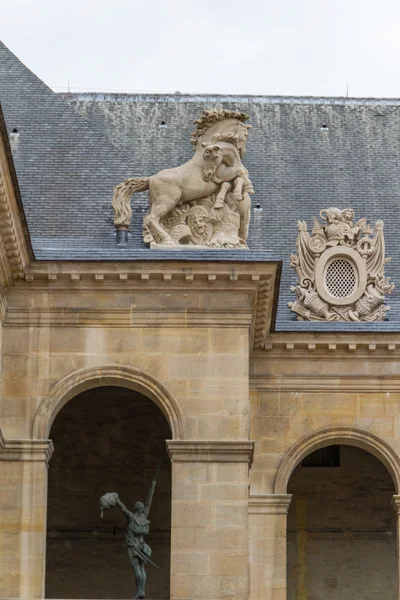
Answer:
(202, 203)
(205, 203)
(341, 269)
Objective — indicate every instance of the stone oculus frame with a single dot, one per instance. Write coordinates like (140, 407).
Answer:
(360, 275)
(341, 269)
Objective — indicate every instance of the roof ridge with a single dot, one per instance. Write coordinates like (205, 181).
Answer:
(245, 98)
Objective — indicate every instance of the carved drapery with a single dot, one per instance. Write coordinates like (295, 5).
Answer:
(341, 269)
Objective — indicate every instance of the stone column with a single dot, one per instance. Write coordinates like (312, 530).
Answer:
(23, 502)
(396, 506)
(267, 546)
(209, 535)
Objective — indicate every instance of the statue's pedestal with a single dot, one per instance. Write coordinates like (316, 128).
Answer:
(155, 246)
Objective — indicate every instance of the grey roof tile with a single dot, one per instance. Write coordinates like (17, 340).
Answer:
(69, 156)
(296, 167)
(66, 170)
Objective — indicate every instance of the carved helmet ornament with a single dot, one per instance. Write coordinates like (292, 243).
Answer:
(341, 269)
(204, 203)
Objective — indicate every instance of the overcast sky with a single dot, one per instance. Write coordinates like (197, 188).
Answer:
(273, 47)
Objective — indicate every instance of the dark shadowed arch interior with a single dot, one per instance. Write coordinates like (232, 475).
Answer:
(341, 527)
(107, 439)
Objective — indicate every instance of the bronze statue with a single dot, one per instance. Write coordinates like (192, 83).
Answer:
(137, 526)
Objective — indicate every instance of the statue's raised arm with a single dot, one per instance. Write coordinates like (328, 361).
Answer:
(150, 495)
(123, 508)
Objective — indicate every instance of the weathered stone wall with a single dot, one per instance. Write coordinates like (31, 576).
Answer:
(205, 370)
(295, 393)
(106, 439)
(193, 348)
(308, 397)
(342, 531)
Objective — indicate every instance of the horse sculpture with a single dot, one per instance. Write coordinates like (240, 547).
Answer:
(215, 169)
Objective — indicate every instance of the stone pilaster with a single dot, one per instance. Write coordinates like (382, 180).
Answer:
(267, 546)
(23, 507)
(209, 536)
(396, 506)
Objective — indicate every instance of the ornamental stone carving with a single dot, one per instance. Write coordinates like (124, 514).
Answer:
(204, 203)
(341, 269)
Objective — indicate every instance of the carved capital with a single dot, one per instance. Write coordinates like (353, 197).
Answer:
(210, 451)
(270, 504)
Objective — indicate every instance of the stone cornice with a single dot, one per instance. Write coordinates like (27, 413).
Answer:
(264, 309)
(270, 504)
(25, 450)
(210, 451)
(88, 273)
(317, 346)
(229, 295)
(15, 249)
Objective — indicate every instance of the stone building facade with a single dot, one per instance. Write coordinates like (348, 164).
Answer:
(281, 473)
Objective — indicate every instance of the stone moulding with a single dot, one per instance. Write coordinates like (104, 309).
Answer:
(41, 317)
(25, 450)
(341, 269)
(377, 345)
(326, 383)
(264, 312)
(396, 504)
(14, 246)
(270, 504)
(114, 375)
(211, 451)
(337, 435)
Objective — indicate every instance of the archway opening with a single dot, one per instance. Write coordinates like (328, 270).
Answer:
(107, 439)
(341, 527)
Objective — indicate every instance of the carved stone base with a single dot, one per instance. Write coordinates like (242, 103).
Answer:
(181, 247)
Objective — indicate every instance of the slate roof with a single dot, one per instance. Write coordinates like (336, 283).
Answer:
(66, 169)
(297, 166)
(73, 148)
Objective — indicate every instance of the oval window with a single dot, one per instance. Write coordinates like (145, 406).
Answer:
(341, 278)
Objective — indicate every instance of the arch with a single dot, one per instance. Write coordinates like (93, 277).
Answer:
(331, 436)
(108, 375)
